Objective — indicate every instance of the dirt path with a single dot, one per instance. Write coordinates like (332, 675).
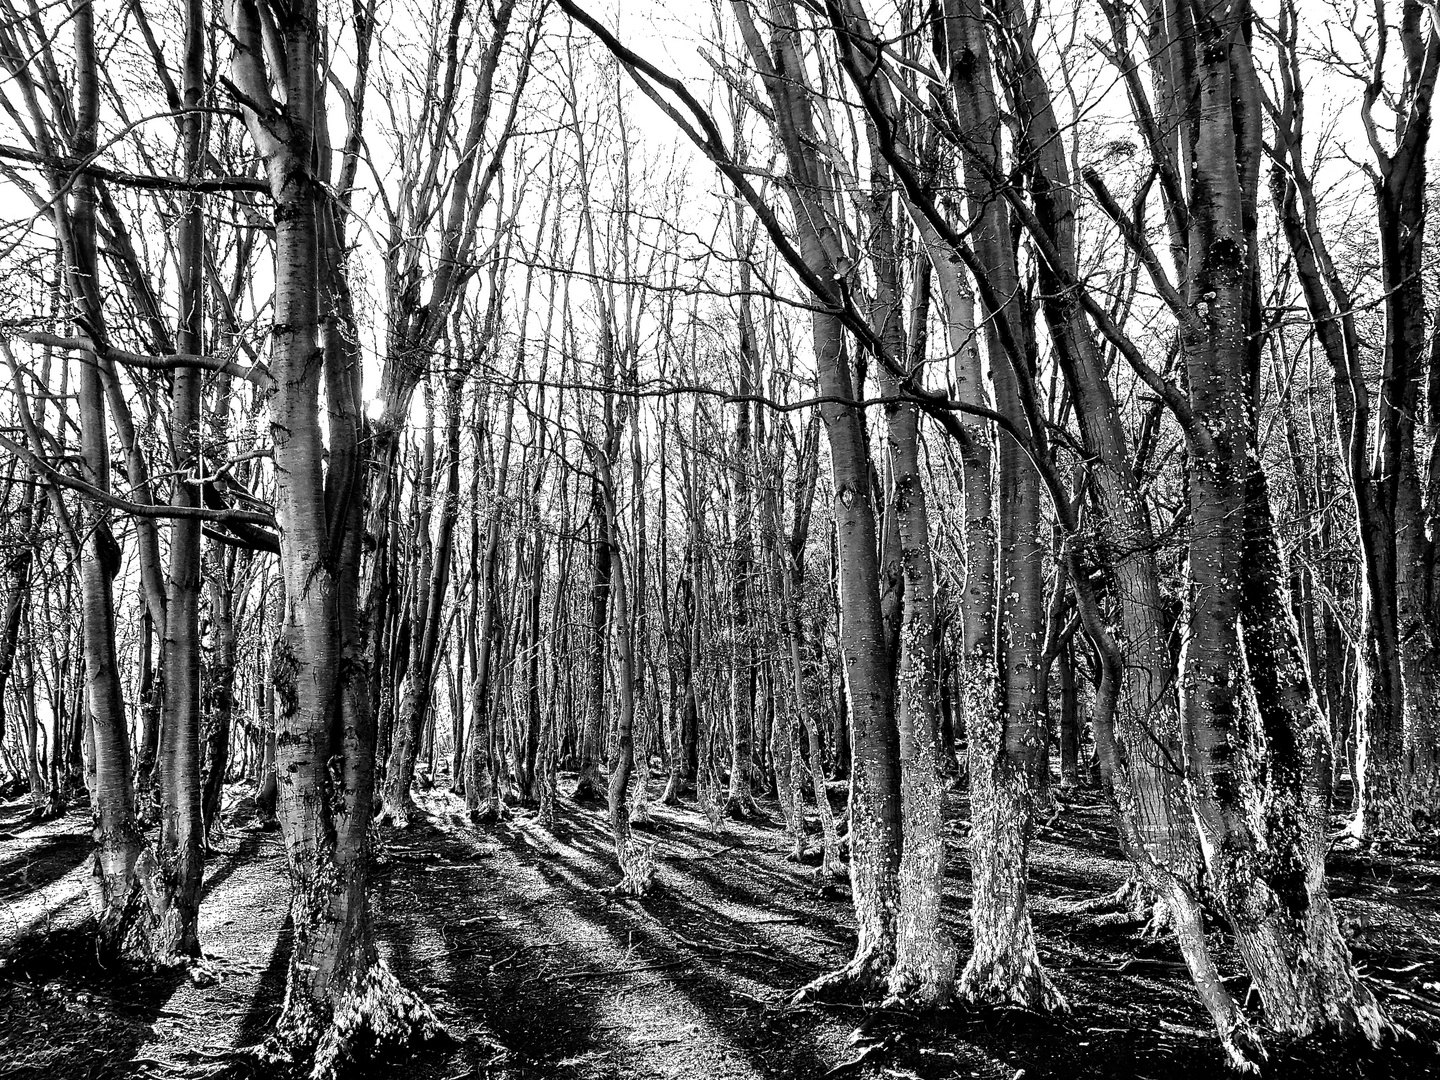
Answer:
(509, 934)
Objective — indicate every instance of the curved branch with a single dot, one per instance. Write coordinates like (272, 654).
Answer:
(255, 374)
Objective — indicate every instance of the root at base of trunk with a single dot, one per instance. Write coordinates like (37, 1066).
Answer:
(859, 976)
(1244, 1052)
(491, 813)
(588, 788)
(925, 981)
(743, 808)
(996, 982)
(395, 816)
(375, 1015)
(638, 868)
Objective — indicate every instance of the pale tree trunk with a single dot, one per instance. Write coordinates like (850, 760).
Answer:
(1153, 816)
(1244, 689)
(924, 971)
(637, 865)
(117, 837)
(740, 800)
(179, 861)
(1005, 732)
(875, 830)
(339, 993)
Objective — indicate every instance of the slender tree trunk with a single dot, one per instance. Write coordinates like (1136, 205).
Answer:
(180, 859)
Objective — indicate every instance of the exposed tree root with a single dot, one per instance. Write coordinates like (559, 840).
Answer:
(861, 975)
(589, 787)
(997, 983)
(374, 1016)
(923, 983)
(1244, 1052)
(1128, 898)
(397, 817)
(492, 812)
(743, 808)
(638, 868)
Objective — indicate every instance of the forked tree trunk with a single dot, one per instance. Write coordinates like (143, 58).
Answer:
(637, 865)
(339, 995)
(868, 679)
(117, 837)
(1005, 729)
(1262, 825)
(173, 882)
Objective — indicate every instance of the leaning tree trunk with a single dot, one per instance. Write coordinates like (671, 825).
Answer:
(1139, 730)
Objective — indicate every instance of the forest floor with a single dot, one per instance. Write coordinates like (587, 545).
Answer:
(509, 934)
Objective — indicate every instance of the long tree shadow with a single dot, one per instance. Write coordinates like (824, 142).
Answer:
(41, 864)
(63, 1013)
(264, 1008)
(547, 1018)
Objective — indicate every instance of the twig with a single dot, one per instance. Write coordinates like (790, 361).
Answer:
(710, 854)
(623, 971)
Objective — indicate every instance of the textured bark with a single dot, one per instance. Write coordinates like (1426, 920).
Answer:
(924, 971)
(220, 686)
(637, 865)
(592, 732)
(1138, 734)
(175, 892)
(1284, 923)
(740, 801)
(117, 837)
(875, 828)
(1257, 749)
(1005, 733)
(338, 990)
